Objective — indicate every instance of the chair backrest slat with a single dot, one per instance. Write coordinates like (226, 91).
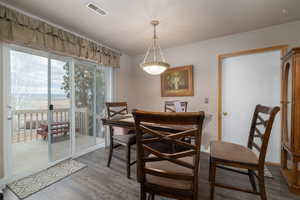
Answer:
(258, 133)
(170, 106)
(261, 129)
(193, 122)
(115, 109)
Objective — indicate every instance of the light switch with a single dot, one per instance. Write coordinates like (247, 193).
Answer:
(206, 100)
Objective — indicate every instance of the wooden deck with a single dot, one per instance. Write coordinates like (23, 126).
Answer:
(36, 152)
(97, 182)
(27, 122)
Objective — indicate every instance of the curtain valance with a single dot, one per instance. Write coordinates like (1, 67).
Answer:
(21, 29)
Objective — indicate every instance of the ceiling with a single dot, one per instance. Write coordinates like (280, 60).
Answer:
(127, 28)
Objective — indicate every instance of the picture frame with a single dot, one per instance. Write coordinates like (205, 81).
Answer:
(177, 82)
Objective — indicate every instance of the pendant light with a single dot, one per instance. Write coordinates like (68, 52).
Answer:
(155, 64)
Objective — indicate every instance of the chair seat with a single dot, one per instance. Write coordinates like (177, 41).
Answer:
(127, 139)
(171, 168)
(230, 152)
(120, 130)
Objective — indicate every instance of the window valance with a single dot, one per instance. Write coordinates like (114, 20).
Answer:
(21, 29)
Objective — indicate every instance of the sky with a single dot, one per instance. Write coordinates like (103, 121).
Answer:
(29, 74)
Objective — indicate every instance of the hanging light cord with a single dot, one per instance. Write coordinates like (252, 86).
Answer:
(154, 42)
(155, 46)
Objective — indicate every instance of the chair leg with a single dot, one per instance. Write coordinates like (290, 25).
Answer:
(111, 148)
(210, 170)
(143, 193)
(262, 189)
(128, 160)
(252, 180)
(213, 169)
(150, 196)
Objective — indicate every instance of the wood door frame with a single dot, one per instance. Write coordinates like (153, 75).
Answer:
(221, 57)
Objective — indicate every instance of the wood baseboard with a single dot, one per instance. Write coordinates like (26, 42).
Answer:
(276, 164)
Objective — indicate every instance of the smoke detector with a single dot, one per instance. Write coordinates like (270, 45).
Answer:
(96, 8)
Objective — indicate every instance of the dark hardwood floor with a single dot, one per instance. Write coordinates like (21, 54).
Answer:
(97, 182)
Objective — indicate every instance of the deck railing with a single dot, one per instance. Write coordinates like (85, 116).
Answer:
(26, 122)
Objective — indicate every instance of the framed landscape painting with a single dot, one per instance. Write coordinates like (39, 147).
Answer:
(177, 81)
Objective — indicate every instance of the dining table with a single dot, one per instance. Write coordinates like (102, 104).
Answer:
(127, 121)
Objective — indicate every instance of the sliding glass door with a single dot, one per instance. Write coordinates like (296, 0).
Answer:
(90, 96)
(84, 76)
(55, 106)
(39, 102)
(28, 107)
(59, 120)
(103, 94)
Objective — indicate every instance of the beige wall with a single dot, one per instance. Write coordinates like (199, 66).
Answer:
(144, 90)
(124, 80)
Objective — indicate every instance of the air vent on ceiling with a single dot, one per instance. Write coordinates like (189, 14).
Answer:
(96, 9)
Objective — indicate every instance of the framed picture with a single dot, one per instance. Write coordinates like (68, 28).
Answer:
(177, 81)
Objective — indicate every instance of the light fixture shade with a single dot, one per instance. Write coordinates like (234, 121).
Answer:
(155, 68)
(158, 65)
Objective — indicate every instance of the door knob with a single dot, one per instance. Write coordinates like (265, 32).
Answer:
(225, 113)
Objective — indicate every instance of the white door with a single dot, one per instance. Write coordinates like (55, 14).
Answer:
(249, 80)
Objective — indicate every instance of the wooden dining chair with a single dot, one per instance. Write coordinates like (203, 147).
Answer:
(226, 155)
(120, 136)
(170, 106)
(173, 175)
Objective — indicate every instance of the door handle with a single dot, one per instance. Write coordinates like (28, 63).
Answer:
(225, 113)
(10, 114)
